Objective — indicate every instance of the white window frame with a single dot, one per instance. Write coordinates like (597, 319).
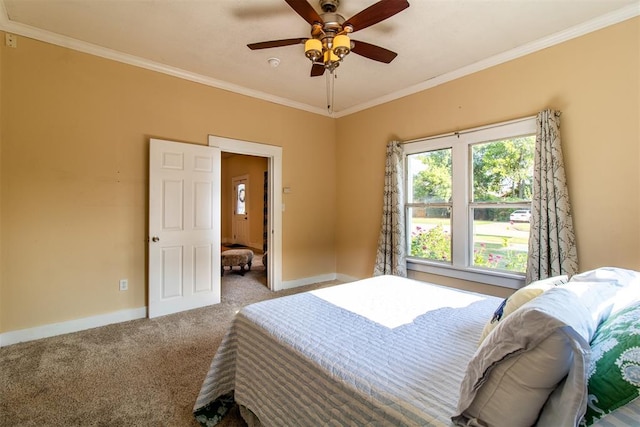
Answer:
(461, 223)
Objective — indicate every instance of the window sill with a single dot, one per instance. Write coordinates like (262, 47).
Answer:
(495, 278)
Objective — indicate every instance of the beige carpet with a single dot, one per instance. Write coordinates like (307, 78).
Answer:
(144, 372)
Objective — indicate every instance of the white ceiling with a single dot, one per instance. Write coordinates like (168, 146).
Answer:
(205, 41)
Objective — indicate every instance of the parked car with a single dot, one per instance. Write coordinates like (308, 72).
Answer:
(521, 215)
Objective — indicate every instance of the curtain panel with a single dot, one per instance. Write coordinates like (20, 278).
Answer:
(552, 243)
(391, 256)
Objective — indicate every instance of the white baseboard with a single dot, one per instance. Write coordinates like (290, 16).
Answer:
(308, 281)
(46, 331)
(344, 278)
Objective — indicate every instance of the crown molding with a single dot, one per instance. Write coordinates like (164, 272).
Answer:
(68, 42)
(603, 21)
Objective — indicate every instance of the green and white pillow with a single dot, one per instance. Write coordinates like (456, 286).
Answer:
(614, 373)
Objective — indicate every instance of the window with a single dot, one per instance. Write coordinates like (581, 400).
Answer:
(469, 202)
(430, 204)
(240, 199)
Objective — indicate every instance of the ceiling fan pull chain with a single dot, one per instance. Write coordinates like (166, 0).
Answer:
(330, 90)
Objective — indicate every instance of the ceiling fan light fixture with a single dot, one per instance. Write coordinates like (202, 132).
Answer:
(341, 45)
(330, 58)
(313, 49)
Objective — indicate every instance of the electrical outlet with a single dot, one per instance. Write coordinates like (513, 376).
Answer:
(124, 284)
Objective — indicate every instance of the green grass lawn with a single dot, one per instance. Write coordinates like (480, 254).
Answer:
(499, 240)
(501, 230)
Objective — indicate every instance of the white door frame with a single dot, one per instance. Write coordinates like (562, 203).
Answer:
(274, 159)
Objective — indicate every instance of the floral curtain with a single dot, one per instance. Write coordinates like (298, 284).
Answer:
(392, 249)
(552, 243)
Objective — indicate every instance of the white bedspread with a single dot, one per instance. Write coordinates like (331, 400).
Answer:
(384, 351)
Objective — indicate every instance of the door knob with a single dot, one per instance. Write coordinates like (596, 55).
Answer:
(155, 239)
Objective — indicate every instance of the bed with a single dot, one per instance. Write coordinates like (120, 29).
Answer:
(384, 351)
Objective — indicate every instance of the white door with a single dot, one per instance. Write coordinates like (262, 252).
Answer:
(240, 224)
(184, 227)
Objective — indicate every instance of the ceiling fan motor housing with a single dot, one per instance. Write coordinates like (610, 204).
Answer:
(329, 5)
(332, 23)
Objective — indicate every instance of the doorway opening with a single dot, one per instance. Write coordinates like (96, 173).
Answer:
(244, 222)
(269, 221)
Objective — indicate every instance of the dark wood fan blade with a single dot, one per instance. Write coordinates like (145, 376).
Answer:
(275, 43)
(304, 9)
(372, 51)
(317, 70)
(375, 13)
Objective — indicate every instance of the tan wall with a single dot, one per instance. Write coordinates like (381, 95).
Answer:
(254, 168)
(74, 154)
(593, 80)
(75, 175)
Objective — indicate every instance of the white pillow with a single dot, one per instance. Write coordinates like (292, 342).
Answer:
(522, 383)
(519, 364)
(618, 276)
(625, 282)
(520, 298)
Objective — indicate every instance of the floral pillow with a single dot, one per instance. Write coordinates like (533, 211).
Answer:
(614, 372)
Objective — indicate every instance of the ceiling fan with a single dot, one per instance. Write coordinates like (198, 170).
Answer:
(329, 42)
